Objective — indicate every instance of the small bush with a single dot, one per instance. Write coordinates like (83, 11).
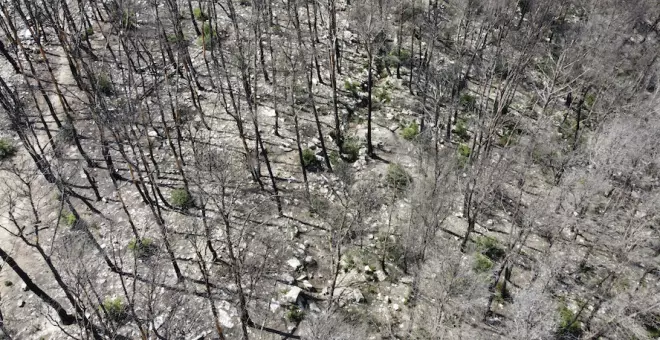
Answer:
(200, 15)
(143, 247)
(114, 309)
(128, 20)
(68, 218)
(411, 131)
(309, 158)
(461, 131)
(468, 101)
(173, 38)
(66, 134)
(501, 68)
(181, 198)
(352, 86)
(464, 151)
(502, 293)
(403, 55)
(104, 84)
(490, 247)
(481, 263)
(88, 32)
(590, 100)
(507, 139)
(334, 157)
(295, 314)
(208, 37)
(351, 149)
(208, 29)
(397, 176)
(7, 149)
(383, 95)
(566, 324)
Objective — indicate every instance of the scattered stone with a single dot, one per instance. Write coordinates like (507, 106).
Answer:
(309, 261)
(21, 303)
(406, 280)
(24, 287)
(367, 269)
(152, 134)
(370, 236)
(387, 299)
(295, 233)
(314, 308)
(396, 307)
(292, 295)
(266, 111)
(274, 306)
(302, 277)
(348, 294)
(307, 285)
(294, 263)
(288, 279)
(380, 275)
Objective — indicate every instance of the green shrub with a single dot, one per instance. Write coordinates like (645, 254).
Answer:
(567, 127)
(295, 314)
(104, 84)
(174, 38)
(383, 95)
(461, 131)
(507, 139)
(66, 134)
(502, 293)
(114, 309)
(7, 149)
(402, 55)
(200, 15)
(351, 149)
(309, 158)
(490, 247)
(411, 131)
(88, 32)
(208, 37)
(128, 20)
(181, 198)
(566, 324)
(352, 86)
(397, 176)
(143, 247)
(464, 150)
(208, 29)
(68, 218)
(590, 100)
(501, 68)
(334, 157)
(468, 101)
(481, 263)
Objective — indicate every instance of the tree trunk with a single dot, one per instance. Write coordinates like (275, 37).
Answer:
(370, 147)
(65, 317)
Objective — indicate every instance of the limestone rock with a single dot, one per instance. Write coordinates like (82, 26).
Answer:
(294, 263)
(292, 295)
